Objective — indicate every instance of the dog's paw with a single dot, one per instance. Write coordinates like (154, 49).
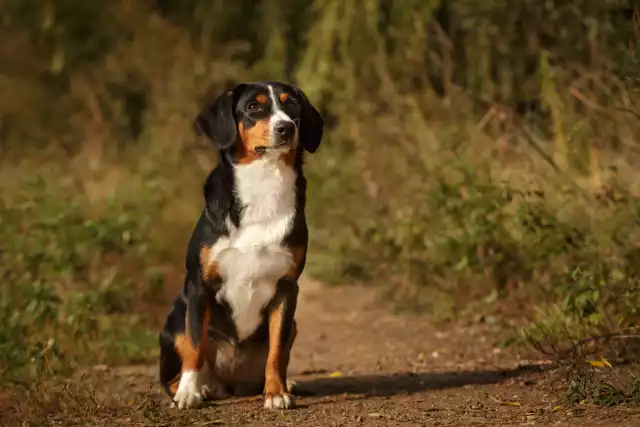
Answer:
(189, 394)
(279, 401)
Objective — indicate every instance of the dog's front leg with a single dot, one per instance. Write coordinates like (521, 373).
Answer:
(282, 332)
(193, 346)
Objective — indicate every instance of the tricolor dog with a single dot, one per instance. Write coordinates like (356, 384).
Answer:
(230, 331)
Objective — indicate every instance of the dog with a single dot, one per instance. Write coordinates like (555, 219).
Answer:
(231, 329)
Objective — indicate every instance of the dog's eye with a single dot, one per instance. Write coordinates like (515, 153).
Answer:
(292, 104)
(253, 107)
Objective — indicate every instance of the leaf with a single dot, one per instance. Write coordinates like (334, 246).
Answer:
(336, 374)
(505, 402)
(600, 363)
(57, 62)
(462, 264)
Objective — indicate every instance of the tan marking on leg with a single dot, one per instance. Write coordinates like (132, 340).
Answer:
(193, 356)
(294, 334)
(286, 355)
(277, 360)
(275, 389)
(274, 380)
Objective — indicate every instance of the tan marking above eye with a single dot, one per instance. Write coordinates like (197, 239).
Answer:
(262, 99)
(284, 96)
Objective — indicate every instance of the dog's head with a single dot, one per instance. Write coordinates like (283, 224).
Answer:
(261, 119)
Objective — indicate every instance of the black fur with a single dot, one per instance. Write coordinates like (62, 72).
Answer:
(219, 123)
(311, 127)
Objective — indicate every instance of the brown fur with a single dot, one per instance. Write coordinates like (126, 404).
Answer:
(277, 358)
(289, 157)
(193, 356)
(209, 268)
(298, 253)
(256, 136)
(173, 385)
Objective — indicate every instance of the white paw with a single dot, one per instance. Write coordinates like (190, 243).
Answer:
(279, 401)
(189, 394)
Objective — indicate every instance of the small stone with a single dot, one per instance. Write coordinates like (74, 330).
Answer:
(491, 320)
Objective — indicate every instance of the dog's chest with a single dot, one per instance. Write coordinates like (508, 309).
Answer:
(266, 190)
(252, 258)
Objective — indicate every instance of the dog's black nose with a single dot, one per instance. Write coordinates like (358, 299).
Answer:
(284, 128)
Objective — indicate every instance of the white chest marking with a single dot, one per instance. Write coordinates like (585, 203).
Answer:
(252, 258)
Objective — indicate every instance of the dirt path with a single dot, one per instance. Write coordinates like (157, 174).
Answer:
(354, 363)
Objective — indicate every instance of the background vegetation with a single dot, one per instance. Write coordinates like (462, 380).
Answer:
(484, 156)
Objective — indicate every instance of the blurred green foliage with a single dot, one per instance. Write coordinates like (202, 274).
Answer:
(70, 285)
(475, 152)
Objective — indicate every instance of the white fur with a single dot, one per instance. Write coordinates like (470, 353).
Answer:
(252, 259)
(285, 401)
(189, 394)
(277, 116)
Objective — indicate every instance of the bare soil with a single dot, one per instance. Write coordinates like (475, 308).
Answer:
(354, 363)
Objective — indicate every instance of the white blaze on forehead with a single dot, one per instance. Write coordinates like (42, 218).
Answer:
(278, 114)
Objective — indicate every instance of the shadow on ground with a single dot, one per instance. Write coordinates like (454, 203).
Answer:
(403, 383)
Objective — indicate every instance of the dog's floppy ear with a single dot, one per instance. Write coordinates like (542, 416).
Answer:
(217, 121)
(311, 124)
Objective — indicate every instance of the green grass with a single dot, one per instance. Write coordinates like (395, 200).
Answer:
(73, 284)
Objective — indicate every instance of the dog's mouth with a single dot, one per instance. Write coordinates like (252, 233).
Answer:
(261, 149)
